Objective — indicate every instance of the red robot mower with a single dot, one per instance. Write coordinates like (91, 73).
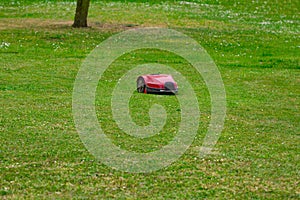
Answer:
(156, 83)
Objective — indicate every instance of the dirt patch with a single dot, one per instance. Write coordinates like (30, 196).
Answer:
(46, 24)
(51, 24)
(8, 23)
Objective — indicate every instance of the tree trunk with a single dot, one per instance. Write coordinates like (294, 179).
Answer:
(81, 14)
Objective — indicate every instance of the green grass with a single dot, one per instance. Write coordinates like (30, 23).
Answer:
(256, 48)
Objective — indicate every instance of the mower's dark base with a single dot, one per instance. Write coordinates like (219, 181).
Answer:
(160, 91)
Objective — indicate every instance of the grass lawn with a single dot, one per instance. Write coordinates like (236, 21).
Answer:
(255, 45)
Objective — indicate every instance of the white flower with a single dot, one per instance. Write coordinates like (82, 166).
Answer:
(4, 45)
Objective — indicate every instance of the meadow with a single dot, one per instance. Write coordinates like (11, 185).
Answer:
(255, 45)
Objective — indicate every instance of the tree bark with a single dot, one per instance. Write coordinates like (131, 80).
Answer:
(82, 8)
